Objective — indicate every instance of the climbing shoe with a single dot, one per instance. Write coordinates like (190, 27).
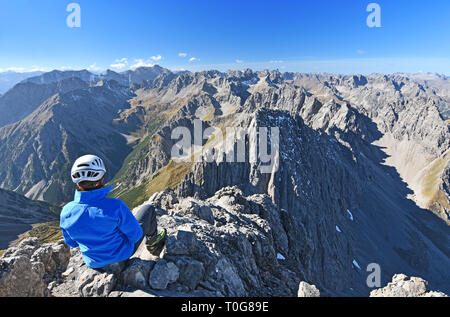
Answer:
(155, 244)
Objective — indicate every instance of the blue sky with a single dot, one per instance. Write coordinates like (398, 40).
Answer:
(291, 35)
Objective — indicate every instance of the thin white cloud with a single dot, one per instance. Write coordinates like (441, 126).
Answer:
(139, 62)
(177, 69)
(193, 59)
(182, 54)
(94, 67)
(67, 68)
(120, 63)
(156, 58)
(118, 66)
(276, 61)
(39, 69)
(14, 69)
(33, 68)
(239, 61)
(361, 52)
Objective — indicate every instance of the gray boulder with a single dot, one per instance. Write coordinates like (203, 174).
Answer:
(191, 206)
(164, 200)
(27, 269)
(44, 255)
(18, 277)
(137, 273)
(183, 242)
(191, 272)
(92, 283)
(163, 274)
(26, 247)
(308, 290)
(61, 254)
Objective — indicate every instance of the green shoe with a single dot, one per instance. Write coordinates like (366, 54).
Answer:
(156, 243)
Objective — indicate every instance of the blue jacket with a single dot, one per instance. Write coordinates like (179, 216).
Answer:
(103, 228)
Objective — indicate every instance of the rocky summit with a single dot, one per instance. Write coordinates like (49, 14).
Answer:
(228, 245)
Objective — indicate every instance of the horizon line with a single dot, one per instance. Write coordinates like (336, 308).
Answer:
(175, 70)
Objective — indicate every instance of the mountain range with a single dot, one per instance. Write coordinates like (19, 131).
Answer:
(10, 78)
(363, 174)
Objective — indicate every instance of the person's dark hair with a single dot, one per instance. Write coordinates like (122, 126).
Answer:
(89, 185)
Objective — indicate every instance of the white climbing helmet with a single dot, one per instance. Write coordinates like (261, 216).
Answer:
(87, 168)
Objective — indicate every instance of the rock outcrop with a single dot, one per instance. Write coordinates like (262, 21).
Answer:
(307, 290)
(244, 251)
(31, 269)
(228, 249)
(403, 286)
(36, 270)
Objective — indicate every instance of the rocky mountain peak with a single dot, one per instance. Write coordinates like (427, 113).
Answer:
(356, 156)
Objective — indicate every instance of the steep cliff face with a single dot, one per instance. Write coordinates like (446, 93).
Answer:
(18, 214)
(344, 207)
(414, 132)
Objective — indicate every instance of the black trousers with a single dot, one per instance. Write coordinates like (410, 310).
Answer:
(146, 217)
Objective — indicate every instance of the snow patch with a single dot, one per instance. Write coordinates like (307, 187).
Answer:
(350, 214)
(280, 257)
(250, 82)
(356, 264)
(338, 229)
